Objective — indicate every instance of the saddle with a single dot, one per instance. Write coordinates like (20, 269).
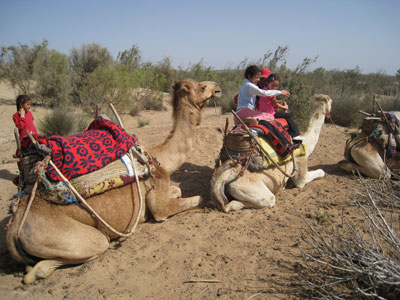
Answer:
(241, 147)
(109, 166)
(377, 129)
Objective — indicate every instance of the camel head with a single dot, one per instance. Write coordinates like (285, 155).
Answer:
(324, 103)
(194, 93)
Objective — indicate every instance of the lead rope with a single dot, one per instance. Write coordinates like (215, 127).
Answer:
(262, 148)
(41, 165)
(134, 173)
(328, 115)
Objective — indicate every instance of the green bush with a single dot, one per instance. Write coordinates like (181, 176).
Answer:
(142, 123)
(149, 100)
(53, 85)
(17, 65)
(136, 108)
(62, 122)
(104, 86)
(83, 61)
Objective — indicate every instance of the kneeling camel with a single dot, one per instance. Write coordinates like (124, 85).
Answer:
(257, 189)
(56, 235)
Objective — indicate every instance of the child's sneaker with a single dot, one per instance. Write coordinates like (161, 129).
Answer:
(298, 138)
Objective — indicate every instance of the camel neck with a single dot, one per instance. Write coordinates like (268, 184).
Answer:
(314, 129)
(172, 153)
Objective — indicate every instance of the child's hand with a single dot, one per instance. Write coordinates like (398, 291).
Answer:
(22, 112)
(285, 93)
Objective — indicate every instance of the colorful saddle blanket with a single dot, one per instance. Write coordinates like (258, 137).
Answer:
(85, 152)
(276, 132)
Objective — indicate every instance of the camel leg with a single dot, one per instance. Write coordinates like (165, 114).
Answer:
(68, 242)
(158, 199)
(303, 175)
(249, 195)
(175, 192)
(162, 208)
(42, 269)
(370, 171)
(309, 176)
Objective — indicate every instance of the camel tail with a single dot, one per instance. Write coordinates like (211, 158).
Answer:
(218, 182)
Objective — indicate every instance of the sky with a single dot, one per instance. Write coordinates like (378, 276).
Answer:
(342, 34)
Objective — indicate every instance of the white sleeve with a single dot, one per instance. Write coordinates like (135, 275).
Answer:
(255, 90)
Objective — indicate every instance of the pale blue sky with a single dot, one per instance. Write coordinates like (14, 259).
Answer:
(343, 33)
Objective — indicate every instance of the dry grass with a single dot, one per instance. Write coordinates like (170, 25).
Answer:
(353, 261)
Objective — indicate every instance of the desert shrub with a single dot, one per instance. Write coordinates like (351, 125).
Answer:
(230, 82)
(358, 262)
(136, 108)
(17, 65)
(103, 86)
(63, 122)
(88, 58)
(142, 123)
(83, 61)
(200, 72)
(167, 74)
(130, 59)
(301, 99)
(149, 100)
(52, 78)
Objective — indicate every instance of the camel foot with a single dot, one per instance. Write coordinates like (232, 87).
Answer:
(175, 192)
(28, 268)
(42, 269)
(233, 205)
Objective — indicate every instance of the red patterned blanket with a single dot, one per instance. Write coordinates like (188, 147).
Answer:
(85, 152)
(276, 132)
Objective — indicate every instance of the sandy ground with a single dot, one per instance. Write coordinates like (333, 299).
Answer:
(249, 254)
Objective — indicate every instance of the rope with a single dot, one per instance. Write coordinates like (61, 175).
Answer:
(39, 167)
(135, 174)
(328, 115)
(261, 147)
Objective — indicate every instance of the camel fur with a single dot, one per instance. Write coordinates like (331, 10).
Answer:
(56, 235)
(257, 189)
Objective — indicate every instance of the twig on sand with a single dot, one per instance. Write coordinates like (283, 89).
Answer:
(202, 280)
(205, 289)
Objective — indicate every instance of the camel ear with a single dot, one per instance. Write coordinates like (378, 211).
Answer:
(177, 85)
(181, 85)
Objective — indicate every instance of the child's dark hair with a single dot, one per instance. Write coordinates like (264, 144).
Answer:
(273, 77)
(251, 71)
(22, 99)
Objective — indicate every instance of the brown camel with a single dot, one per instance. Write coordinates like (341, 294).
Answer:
(56, 235)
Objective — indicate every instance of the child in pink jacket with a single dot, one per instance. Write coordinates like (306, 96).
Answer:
(270, 81)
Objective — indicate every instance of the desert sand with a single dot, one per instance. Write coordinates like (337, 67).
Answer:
(198, 254)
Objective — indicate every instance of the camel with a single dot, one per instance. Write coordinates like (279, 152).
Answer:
(367, 157)
(257, 189)
(57, 235)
